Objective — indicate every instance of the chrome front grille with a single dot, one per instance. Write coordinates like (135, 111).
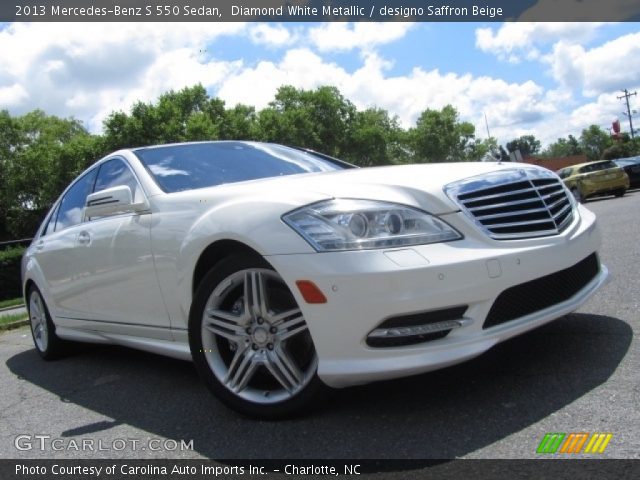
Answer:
(514, 204)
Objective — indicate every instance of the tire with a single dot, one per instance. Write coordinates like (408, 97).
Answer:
(620, 192)
(256, 355)
(575, 191)
(48, 345)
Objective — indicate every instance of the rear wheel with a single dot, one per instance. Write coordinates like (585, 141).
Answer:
(43, 331)
(250, 341)
(620, 192)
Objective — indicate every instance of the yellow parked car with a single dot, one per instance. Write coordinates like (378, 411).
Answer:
(602, 177)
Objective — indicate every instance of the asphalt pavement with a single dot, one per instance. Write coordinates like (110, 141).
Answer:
(580, 373)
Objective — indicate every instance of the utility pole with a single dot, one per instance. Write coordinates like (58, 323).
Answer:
(628, 112)
(487, 125)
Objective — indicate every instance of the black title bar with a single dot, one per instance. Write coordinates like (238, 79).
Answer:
(316, 10)
(122, 469)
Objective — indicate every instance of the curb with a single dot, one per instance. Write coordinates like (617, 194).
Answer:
(12, 307)
(12, 325)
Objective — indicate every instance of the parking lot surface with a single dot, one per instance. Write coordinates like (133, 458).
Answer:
(580, 373)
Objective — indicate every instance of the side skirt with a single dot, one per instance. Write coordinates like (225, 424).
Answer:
(161, 347)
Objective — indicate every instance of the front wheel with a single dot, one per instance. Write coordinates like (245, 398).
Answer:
(620, 192)
(250, 341)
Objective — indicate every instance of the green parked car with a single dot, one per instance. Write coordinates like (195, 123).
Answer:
(602, 177)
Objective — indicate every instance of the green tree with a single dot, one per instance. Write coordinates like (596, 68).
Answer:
(485, 149)
(239, 123)
(319, 119)
(48, 154)
(188, 114)
(527, 144)
(439, 136)
(594, 141)
(375, 139)
(9, 142)
(563, 147)
(623, 148)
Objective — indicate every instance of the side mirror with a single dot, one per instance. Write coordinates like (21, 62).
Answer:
(112, 201)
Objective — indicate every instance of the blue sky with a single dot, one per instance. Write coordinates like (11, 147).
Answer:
(545, 79)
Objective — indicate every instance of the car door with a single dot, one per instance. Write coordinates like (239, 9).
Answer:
(122, 287)
(58, 253)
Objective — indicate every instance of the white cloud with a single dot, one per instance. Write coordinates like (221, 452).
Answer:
(506, 104)
(598, 72)
(12, 95)
(90, 69)
(337, 36)
(272, 36)
(516, 41)
(603, 111)
(257, 85)
(605, 68)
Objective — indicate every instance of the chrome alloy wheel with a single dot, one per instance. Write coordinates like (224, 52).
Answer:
(255, 338)
(38, 319)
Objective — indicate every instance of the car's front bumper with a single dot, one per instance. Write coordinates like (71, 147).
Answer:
(364, 288)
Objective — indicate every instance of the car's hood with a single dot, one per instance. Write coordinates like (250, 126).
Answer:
(420, 185)
(417, 185)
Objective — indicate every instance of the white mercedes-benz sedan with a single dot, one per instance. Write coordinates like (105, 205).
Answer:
(281, 271)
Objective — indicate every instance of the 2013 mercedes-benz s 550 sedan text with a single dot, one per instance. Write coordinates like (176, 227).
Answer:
(281, 271)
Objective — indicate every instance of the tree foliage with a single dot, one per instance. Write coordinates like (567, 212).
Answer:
(563, 147)
(527, 144)
(594, 141)
(596, 144)
(318, 119)
(439, 136)
(39, 157)
(623, 148)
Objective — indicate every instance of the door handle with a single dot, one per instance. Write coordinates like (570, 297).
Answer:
(84, 238)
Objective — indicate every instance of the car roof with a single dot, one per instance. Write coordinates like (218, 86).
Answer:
(578, 165)
(628, 159)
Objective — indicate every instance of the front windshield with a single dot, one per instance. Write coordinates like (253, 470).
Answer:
(200, 165)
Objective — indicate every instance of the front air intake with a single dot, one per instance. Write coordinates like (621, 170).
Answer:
(543, 292)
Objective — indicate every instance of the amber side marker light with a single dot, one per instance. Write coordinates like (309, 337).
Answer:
(310, 292)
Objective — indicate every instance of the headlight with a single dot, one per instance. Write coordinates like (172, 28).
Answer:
(345, 224)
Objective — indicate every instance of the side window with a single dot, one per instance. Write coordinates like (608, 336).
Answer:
(51, 223)
(114, 173)
(72, 205)
(606, 165)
